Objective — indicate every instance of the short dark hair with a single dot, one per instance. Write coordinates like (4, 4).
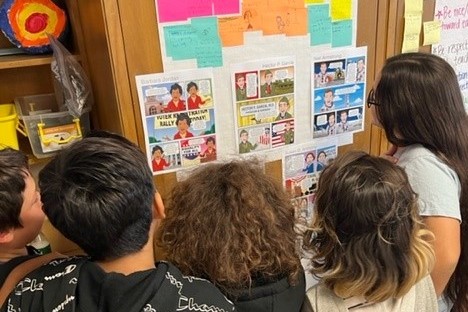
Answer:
(176, 86)
(310, 153)
(99, 193)
(211, 139)
(191, 84)
(157, 148)
(13, 172)
(183, 116)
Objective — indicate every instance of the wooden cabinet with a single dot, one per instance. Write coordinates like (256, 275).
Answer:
(22, 75)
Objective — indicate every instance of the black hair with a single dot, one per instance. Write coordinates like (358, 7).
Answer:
(13, 172)
(99, 194)
(190, 85)
(176, 86)
(183, 116)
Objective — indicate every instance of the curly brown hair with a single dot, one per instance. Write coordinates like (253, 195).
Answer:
(366, 237)
(232, 224)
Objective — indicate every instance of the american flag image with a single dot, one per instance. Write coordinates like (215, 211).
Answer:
(265, 139)
(277, 137)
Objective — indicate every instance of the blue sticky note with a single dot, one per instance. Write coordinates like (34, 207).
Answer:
(319, 24)
(320, 32)
(209, 57)
(206, 26)
(318, 11)
(209, 47)
(179, 41)
(342, 33)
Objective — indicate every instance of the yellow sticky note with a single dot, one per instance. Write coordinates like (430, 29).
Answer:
(413, 23)
(340, 9)
(432, 32)
(410, 43)
(412, 6)
(313, 1)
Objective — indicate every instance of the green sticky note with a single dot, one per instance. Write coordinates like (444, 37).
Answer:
(319, 24)
(342, 33)
(179, 41)
(209, 48)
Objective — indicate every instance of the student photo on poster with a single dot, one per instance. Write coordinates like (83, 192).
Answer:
(324, 156)
(299, 164)
(267, 88)
(177, 103)
(165, 156)
(254, 139)
(356, 69)
(282, 133)
(349, 120)
(282, 81)
(288, 134)
(331, 124)
(245, 146)
(196, 98)
(342, 97)
(283, 109)
(309, 163)
(328, 73)
(322, 77)
(328, 100)
(183, 122)
(157, 158)
(246, 85)
(208, 150)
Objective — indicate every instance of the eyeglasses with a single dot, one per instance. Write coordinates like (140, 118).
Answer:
(371, 99)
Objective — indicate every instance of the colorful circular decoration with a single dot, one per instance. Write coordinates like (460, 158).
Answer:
(26, 23)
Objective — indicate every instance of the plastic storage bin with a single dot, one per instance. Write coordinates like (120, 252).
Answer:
(8, 121)
(48, 128)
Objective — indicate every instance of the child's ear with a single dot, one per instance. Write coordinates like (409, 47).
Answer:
(6, 236)
(158, 206)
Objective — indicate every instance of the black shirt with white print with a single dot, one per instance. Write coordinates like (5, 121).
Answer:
(78, 284)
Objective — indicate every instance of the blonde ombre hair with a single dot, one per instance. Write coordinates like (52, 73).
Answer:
(367, 238)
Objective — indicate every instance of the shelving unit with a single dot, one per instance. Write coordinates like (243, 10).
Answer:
(25, 74)
(18, 61)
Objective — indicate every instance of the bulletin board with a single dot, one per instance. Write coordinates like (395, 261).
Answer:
(252, 37)
(135, 49)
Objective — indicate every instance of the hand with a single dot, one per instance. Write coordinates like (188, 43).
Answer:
(389, 154)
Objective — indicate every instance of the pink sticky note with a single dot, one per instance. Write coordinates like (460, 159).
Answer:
(181, 10)
(226, 7)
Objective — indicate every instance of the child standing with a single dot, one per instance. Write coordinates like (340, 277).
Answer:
(99, 193)
(418, 103)
(21, 214)
(367, 241)
(233, 225)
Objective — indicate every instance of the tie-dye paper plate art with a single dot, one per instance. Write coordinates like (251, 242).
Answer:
(26, 23)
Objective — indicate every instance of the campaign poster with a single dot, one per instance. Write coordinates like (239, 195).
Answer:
(264, 104)
(301, 172)
(338, 92)
(178, 112)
